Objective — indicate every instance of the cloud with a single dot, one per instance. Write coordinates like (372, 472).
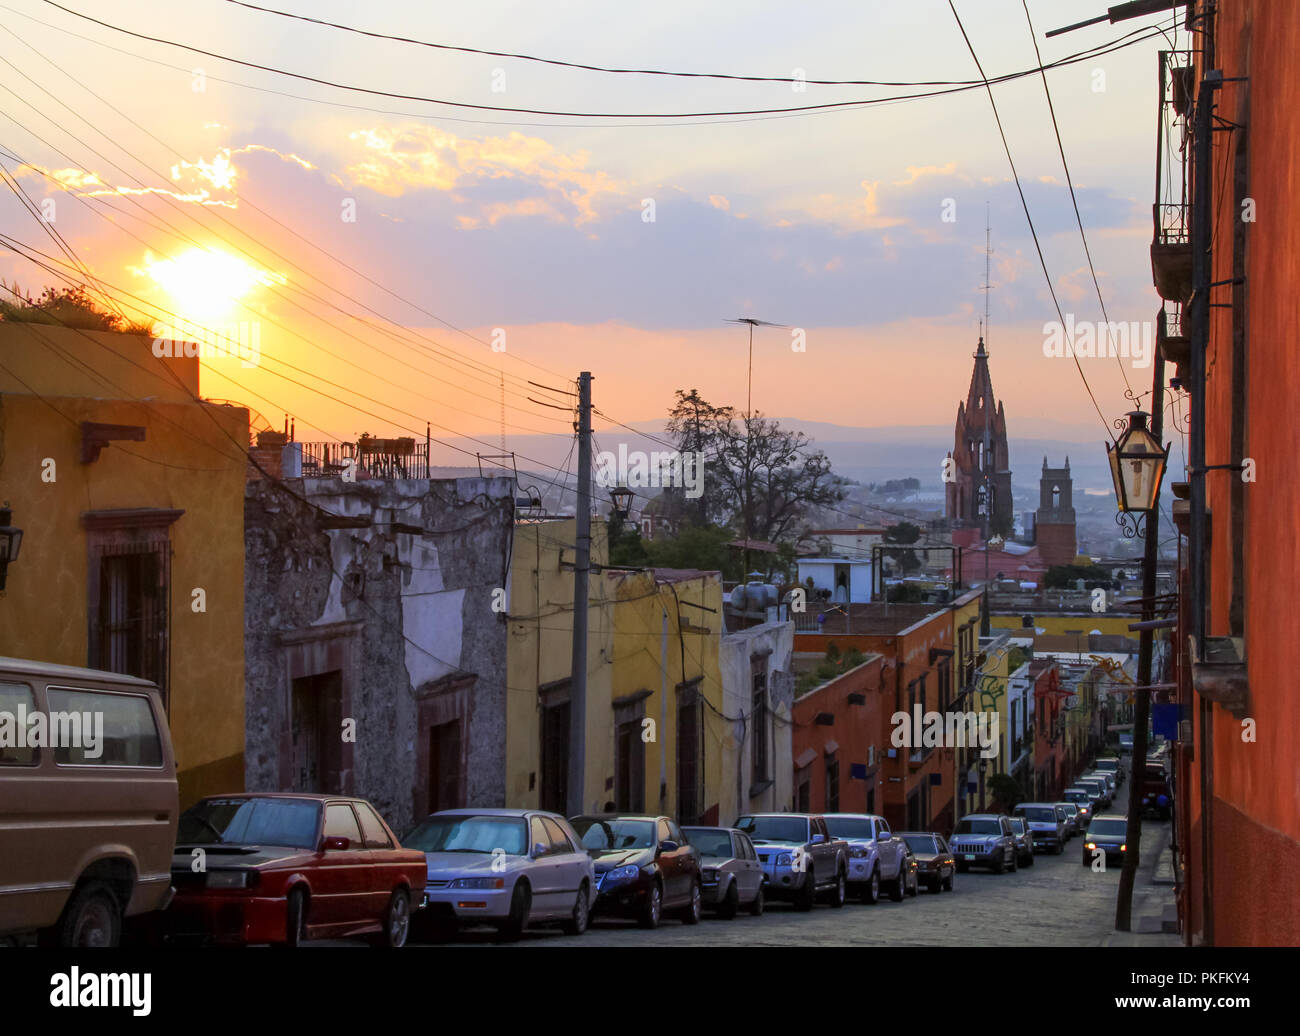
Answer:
(395, 161)
(719, 202)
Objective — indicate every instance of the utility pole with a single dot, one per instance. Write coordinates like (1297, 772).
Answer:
(1142, 706)
(581, 572)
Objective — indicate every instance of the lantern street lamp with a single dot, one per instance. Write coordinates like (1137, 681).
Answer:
(1137, 467)
(10, 540)
(622, 497)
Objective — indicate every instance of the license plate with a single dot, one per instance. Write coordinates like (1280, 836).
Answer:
(970, 856)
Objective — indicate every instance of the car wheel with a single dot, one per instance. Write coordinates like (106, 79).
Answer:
(916, 886)
(871, 890)
(898, 889)
(396, 922)
(693, 912)
(730, 903)
(581, 916)
(841, 891)
(91, 918)
(756, 907)
(1015, 862)
(653, 909)
(295, 919)
(520, 903)
(947, 883)
(807, 894)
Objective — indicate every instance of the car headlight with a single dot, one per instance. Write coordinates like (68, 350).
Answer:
(859, 851)
(478, 883)
(709, 874)
(784, 860)
(1090, 845)
(618, 875)
(231, 879)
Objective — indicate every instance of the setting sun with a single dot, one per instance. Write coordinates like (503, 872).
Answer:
(205, 283)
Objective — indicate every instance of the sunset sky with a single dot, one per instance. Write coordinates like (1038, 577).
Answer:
(222, 193)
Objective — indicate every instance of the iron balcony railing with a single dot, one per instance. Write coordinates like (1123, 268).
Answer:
(368, 458)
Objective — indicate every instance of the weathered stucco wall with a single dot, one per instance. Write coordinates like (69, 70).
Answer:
(408, 616)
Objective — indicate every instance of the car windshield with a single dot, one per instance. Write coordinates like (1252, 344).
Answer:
(1077, 795)
(967, 826)
(849, 827)
(469, 834)
(921, 843)
(774, 829)
(615, 833)
(1069, 807)
(284, 822)
(1108, 827)
(710, 841)
(1043, 814)
(1109, 765)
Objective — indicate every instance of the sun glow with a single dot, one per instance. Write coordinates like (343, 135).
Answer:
(206, 283)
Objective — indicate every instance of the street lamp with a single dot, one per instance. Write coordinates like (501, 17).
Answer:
(11, 539)
(1137, 467)
(622, 497)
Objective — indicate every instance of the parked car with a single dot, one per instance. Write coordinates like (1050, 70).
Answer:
(1082, 799)
(1047, 829)
(800, 858)
(1157, 795)
(1126, 744)
(934, 862)
(505, 867)
(1112, 783)
(875, 855)
(1100, 790)
(645, 867)
(730, 873)
(89, 823)
(285, 868)
(1069, 814)
(984, 840)
(1108, 835)
(911, 872)
(1024, 841)
(1112, 764)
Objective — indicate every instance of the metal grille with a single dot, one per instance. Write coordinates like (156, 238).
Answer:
(129, 633)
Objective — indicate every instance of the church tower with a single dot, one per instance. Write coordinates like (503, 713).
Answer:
(980, 458)
(1054, 530)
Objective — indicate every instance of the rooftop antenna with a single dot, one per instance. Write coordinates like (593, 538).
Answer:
(987, 286)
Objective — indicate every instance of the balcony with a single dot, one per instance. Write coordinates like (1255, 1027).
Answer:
(1221, 675)
(1171, 338)
(1171, 251)
(1171, 240)
(367, 458)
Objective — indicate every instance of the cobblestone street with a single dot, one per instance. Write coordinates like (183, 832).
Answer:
(1056, 902)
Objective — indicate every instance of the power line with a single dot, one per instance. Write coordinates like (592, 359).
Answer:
(1069, 182)
(1025, 205)
(811, 108)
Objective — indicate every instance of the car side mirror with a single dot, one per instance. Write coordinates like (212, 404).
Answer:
(667, 846)
(538, 850)
(817, 840)
(335, 843)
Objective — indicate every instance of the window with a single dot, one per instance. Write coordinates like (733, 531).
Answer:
(555, 835)
(832, 784)
(539, 836)
(882, 829)
(96, 728)
(341, 822)
(945, 684)
(803, 789)
(675, 833)
(662, 833)
(372, 827)
(759, 717)
(13, 697)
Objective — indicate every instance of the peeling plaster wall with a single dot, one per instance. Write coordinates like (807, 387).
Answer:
(416, 609)
(776, 641)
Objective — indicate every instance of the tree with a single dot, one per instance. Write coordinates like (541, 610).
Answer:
(758, 476)
(1006, 790)
(1063, 577)
(903, 533)
(64, 307)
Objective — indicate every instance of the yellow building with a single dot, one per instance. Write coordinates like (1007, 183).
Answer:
(654, 731)
(539, 665)
(1066, 623)
(130, 494)
(664, 743)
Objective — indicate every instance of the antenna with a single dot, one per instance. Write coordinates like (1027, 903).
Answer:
(987, 286)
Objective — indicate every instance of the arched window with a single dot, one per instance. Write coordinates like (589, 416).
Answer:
(1056, 496)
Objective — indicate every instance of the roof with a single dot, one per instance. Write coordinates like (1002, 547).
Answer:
(29, 667)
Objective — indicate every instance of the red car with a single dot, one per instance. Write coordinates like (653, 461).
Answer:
(281, 868)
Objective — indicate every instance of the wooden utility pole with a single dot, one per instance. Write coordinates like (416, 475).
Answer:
(581, 573)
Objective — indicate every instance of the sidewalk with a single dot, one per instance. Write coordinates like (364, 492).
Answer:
(1155, 910)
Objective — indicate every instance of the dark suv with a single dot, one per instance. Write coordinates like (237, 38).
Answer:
(984, 840)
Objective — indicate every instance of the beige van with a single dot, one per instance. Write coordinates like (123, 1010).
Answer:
(88, 802)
